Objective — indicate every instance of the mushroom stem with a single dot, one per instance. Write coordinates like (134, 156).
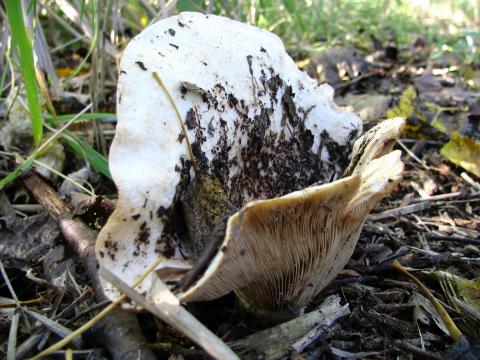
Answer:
(263, 317)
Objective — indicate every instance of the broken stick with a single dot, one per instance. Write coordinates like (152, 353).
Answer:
(119, 330)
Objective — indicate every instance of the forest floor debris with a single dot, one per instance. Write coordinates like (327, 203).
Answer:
(431, 225)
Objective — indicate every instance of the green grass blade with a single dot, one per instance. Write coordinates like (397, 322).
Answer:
(18, 171)
(83, 149)
(93, 43)
(23, 44)
(290, 6)
(190, 5)
(83, 9)
(80, 147)
(88, 116)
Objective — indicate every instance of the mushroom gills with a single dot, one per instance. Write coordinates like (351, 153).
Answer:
(278, 254)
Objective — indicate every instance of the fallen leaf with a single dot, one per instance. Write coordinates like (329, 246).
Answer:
(464, 296)
(370, 107)
(405, 106)
(472, 126)
(24, 241)
(463, 152)
(420, 301)
(441, 91)
(337, 64)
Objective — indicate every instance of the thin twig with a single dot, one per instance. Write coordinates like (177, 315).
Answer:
(7, 281)
(358, 78)
(462, 240)
(468, 179)
(411, 154)
(12, 336)
(64, 177)
(22, 303)
(54, 327)
(404, 210)
(417, 352)
(438, 197)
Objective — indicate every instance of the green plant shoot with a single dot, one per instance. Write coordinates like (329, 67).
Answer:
(22, 43)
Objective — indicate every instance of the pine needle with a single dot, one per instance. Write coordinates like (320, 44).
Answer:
(455, 333)
(179, 117)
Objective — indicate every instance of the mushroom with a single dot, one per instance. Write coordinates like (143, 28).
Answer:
(277, 254)
(233, 165)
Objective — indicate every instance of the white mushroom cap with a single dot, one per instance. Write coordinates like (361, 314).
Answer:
(258, 124)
